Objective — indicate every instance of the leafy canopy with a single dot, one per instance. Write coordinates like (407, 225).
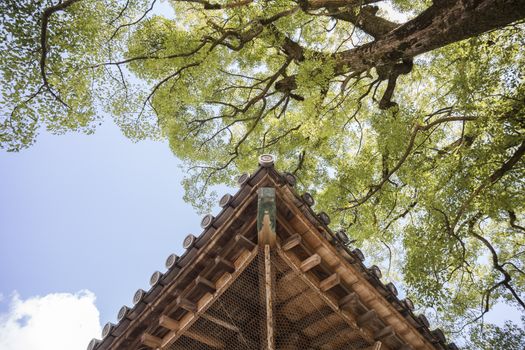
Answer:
(412, 141)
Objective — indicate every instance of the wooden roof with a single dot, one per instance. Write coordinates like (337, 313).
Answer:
(316, 277)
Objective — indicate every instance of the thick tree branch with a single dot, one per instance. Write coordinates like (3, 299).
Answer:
(46, 15)
(366, 20)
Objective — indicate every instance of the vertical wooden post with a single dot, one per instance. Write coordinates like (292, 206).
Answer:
(266, 221)
(269, 288)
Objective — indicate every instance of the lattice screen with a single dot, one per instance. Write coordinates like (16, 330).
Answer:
(237, 319)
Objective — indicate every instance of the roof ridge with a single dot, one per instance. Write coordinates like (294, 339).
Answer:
(248, 184)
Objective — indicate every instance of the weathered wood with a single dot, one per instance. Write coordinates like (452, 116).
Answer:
(351, 276)
(269, 286)
(204, 339)
(384, 333)
(224, 265)
(366, 318)
(150, 340)
(377, 346)
(244, 242)
(222, 284)
(205, 285)
(168, 323)
(186, 304)
(346, 302)
(291, 242)
(310, 263)
(330, 282)
(266, 235)
(221, 323)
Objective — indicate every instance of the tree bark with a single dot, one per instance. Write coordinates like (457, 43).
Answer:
(443, 23)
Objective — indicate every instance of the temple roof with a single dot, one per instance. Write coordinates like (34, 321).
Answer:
(324, 295)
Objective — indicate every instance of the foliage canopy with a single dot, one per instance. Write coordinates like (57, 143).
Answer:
(411, 135)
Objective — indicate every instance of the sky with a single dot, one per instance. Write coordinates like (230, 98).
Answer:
(87, 218)
(84, 222)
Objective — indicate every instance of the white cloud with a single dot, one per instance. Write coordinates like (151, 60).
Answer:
(59, 321)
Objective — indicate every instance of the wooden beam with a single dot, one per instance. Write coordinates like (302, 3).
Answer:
(168, 323)
(224, 265)
(244, 242)
(205, 285)
(366, 318)
(186, 304)
(150, 340)
(347, 301)
(269, 286)
(384, 333)
(221, 323)
(291, 242)
(310, 263)
(330, 282)
(204, 339)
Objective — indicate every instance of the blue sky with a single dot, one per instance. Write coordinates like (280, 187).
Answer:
(84, 221)
(95, 212)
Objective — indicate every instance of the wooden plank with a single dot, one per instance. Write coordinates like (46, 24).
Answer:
(310, 263)
(224, 265)
(291, 242)
(186, 304)
(221, 323)
(376, 346)
(366, 318)
(292, 261)
(269, 284)
(384, 333)
(150, 340)
(205, 285)
(330, 282)
(244, 242)
(168, 323)
(204, 339)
